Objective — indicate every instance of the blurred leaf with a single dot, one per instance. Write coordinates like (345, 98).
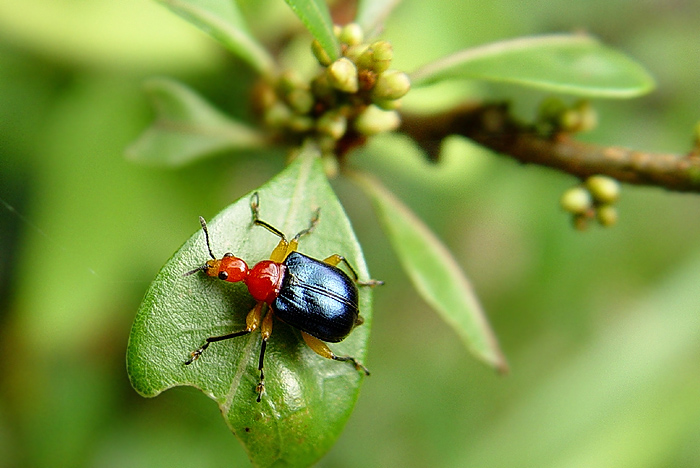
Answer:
(317, 19)
(626, 394)
(223, 21)
(434, 272)
(573, 64)
(371, 14)
(308, 399)
(187, 128)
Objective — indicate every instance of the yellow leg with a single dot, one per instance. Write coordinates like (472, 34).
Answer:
(336, 259)
(281, 251)
(284, 247)
(252, 320)
(322, 349)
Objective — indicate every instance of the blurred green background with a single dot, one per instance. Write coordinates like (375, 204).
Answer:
(602, 329)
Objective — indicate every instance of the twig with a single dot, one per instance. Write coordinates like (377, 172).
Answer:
(492, 126)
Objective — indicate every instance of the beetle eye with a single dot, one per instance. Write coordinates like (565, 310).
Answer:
(228, 254)
(223, 275)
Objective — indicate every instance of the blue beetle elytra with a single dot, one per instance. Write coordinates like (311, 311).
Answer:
(315, 297)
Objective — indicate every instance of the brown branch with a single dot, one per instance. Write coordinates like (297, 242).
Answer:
(492, 126)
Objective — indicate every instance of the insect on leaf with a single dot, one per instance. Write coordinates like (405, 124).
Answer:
(307, 398)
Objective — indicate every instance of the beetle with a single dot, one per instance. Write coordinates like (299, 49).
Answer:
(316, 297)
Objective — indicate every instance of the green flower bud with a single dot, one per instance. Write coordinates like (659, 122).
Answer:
(288, 81)
(604, 189)
(355, 52)
(266, 96)
(342, 74)
(550, 109)
(576, 200)
(277, 115)
(377, 57)
(300, 100)
(588, 117)
(333, 124)
(387, 104)
(392, 84)
(607, 215)
(300, 123)
(321, 86)
(330, 164)
(351, 34)
(569, 120)
(320, 53)
(374, 120)
(383, 53)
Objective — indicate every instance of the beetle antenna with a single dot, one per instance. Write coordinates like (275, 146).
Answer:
(206, 236)
(200, 268)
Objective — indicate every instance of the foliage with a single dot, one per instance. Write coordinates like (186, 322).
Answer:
(566, 307)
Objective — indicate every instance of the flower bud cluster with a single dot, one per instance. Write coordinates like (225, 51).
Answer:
(595, 198)
(357, 94)
(556, 116)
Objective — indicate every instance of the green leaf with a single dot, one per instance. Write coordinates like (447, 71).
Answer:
(187, 128)
(308, 398)
(317, 19)
(434, 272)
(371, 14)
(222, 20)
(573, 64)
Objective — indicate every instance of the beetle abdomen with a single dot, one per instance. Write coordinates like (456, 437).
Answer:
(317, 298)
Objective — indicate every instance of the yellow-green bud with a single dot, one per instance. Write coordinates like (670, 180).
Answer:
(387, 104)
(330, 164)
(576, 200)
(351, 34)
(289, 80)
(374, 120)
(300, 100)
(342, 74)
(551, 109)
(569, 120)
(392, 84)
(588, 117)
(320, 53)
(377, 57)
(300, 123)
(606, 215)
(355, 52)
(321, 86)
(277, 115)
(604, 189)
(383, 53)
(333, 124)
